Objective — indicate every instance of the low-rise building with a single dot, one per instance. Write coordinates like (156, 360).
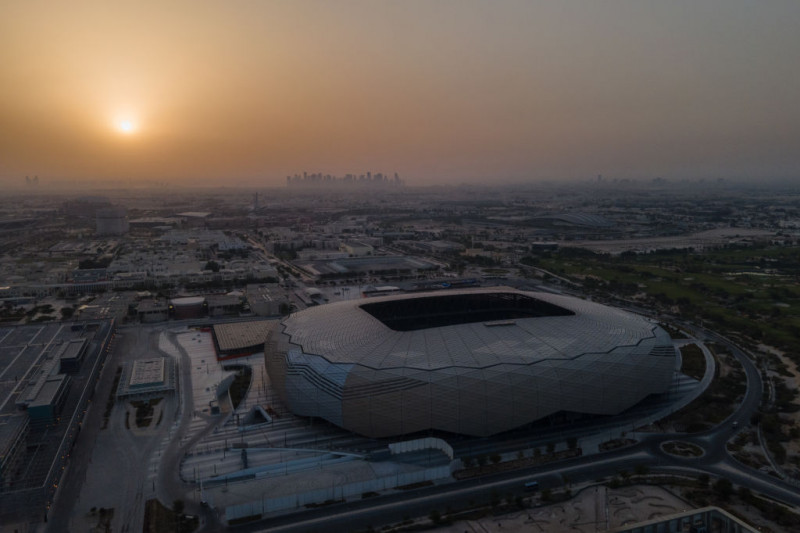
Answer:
(265, 299)
(356, 248)
(223, 304)
(152, 311)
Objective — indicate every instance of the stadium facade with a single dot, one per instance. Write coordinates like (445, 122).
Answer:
(474, 362)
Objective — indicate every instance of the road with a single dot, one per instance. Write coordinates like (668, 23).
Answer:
(81, 455)
(110, 467)
(169, 485)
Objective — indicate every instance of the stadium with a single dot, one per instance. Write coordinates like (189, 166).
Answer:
(472, 361)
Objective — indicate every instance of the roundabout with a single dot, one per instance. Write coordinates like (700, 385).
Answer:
(683, 449)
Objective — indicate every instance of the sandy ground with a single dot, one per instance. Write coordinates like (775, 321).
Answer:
(596, 508)
(700, 240)
(793, 446)
(158, 413)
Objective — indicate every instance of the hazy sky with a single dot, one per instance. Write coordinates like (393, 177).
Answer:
(457, 91)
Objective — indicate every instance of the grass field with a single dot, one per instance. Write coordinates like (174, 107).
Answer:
(752, 291)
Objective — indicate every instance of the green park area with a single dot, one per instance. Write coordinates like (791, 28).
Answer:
(748, 293)
(745, 291)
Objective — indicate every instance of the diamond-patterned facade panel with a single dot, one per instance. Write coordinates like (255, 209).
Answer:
(477, 378)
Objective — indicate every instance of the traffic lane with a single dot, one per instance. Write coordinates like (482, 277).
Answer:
(81, 454)
(752, 479)
(395, 508)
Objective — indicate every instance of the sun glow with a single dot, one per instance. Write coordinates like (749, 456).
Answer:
(126, 126)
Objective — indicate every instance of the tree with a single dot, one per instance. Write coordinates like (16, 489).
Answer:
(496, 458)
(745, 494)
(551, 447)
(724, 488)
(178, 507)
(572, 443)
(435, 516)
(494, 499)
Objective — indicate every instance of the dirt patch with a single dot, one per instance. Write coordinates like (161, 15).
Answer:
(595, 508)
(159, 519)
(682, 449)
(101, 518)
(145, 412)
(791, 381)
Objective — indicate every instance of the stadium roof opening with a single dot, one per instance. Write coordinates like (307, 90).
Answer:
(452, 309)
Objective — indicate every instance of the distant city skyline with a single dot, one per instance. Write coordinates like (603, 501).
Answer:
(441, 92)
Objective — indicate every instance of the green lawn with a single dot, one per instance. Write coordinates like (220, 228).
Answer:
(734, 290)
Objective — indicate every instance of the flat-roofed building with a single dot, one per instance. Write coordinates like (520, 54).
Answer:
(13, 434)
(147, 372)
(356, 248)
(71, 354)
(223, 304)
(146, 378)
(152, 311)
(194, 218)
(42, 409)
(188, 307)
(46, 405)
(265, 299)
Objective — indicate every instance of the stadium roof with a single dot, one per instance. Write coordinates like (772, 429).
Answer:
(344, 332)
(241, 335)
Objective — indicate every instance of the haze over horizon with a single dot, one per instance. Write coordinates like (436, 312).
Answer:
(439, 91)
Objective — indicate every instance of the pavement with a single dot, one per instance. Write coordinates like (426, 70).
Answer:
(106, 467)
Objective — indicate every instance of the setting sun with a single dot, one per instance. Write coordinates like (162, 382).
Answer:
(126, 126)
